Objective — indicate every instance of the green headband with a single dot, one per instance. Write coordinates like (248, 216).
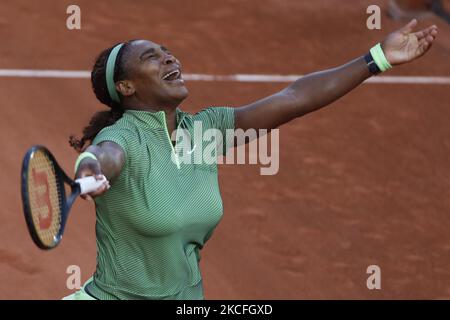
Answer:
(110, 65)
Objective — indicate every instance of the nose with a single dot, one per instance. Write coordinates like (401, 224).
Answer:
(169, 59)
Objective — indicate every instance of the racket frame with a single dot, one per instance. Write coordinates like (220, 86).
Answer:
(66, 201)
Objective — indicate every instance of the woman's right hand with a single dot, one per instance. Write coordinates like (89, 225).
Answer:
(91, 167)
(111, 159)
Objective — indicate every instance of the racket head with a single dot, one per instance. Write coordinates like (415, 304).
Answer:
(44, 198)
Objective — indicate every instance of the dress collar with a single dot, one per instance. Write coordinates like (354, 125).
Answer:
(155, 119)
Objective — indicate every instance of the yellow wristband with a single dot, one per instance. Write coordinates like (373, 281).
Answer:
(379, 58)
(82, 156)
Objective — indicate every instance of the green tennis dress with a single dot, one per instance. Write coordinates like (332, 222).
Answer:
(159, 213)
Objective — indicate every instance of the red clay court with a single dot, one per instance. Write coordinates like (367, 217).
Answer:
(365, 181)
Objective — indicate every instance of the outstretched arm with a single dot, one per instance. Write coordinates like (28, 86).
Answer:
(319, 89)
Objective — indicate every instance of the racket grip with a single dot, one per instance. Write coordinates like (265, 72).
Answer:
(89, 184)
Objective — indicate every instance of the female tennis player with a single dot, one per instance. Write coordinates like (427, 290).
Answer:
(157, 214)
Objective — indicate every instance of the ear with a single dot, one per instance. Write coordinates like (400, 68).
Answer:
(125, 87)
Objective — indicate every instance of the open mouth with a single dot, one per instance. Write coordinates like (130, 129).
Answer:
(173, 76)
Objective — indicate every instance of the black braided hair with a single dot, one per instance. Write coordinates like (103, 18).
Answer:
(102, 119)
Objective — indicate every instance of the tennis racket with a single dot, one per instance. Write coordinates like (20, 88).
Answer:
(45, 202)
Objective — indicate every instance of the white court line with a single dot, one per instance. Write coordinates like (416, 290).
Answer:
(24, 73)
(28, 73)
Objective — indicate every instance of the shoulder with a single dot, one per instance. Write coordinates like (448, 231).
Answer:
(216, 117)
(121, 127)
(122, 133)
(213, 111)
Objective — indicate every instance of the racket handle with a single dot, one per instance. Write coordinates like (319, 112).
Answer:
(89, 184)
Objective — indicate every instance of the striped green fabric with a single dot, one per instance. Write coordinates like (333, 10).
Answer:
(157, 216)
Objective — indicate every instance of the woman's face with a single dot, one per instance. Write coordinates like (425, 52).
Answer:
(155, 74)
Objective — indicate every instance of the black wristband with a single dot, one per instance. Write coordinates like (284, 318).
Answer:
(373, 68)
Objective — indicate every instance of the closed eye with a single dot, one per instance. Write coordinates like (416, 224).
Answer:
(149, 54)
(150, 57)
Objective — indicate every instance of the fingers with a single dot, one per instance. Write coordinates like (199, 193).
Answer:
(105, 186)
(429, 38)
(409, 27)
(424, 45)
(102, 177)
(427, 47)
(101, 190)
(432, 30)
(426, 38)
(99, 177)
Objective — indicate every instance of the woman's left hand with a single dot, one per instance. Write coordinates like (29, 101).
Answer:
(405, 45)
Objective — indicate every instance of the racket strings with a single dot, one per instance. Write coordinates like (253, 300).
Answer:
(45, 199)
